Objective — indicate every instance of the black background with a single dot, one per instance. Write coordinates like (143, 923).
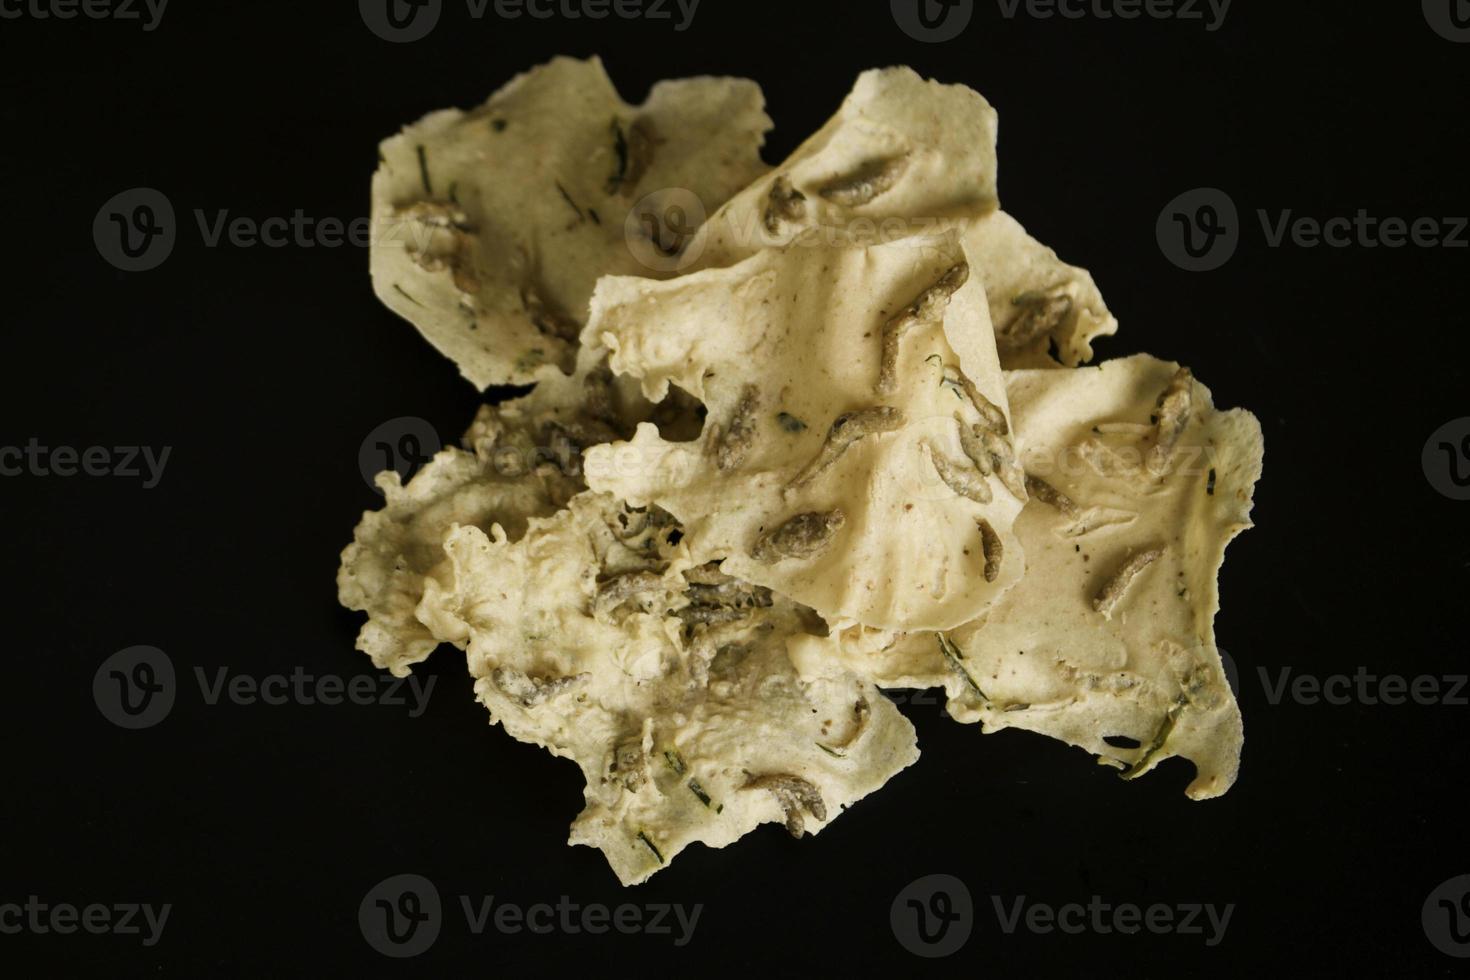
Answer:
(265, 368)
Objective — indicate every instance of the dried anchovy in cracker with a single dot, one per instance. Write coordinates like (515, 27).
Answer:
(490, 227)
(1051, 663)
(905, 559)
(665, 724)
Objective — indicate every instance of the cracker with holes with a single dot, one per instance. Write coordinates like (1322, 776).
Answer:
(598, 637)
(491, 226)
(857, 455)
(1137, 483)
(519, 460)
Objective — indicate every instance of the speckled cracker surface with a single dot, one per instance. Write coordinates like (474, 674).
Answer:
(785, 349)
(1095, 642)
(668, 683)
(490, 227)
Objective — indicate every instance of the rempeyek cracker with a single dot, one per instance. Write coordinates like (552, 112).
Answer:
(1138, 484)
(596, 636)
(520, 460)
(905, 156)
(856, 456)
(490, 227)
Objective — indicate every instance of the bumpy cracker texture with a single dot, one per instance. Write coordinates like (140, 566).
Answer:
(804, 326)
(901, 154)
(1045, 658)
(1036, 299)
(491, 226)
(667, 683)
(938, 142)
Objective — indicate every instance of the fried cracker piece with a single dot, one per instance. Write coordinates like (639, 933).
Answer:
(803, 326)
(686, 730)
(491, 226)
(1110, 633)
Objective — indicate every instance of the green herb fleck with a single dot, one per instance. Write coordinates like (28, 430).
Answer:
(675, 761)
(651, 846)
(953, 656)
(424, 170)
(698, 791)
(399, 290)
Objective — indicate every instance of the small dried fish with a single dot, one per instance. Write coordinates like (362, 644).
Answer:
(794, 794)
(994, 550)
(1107, 600)
(1040, 315)
(738, 438)
(931, 303)
(990, 413)
(804, 536)
(1175, 407)
(964, 482)
(1051, 496)
(529, 692)
(874, 178)
(974, 446)
(1004, 458)
(784, 203)
(846, 430)
(620, 588)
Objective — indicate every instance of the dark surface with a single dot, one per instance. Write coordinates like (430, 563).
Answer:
(265, 368)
